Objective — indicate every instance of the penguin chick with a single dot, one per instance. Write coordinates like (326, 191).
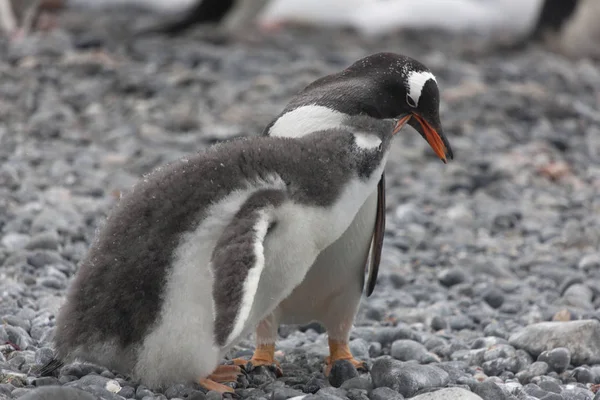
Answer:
(204, 248)
(383, 85)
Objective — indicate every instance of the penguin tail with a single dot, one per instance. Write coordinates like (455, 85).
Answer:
(51, 366)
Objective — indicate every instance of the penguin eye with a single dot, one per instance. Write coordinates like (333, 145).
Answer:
(410, 101)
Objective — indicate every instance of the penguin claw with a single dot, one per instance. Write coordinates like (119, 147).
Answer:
(211, 385)
(250, 365)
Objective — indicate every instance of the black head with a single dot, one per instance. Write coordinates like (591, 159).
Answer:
(383, 85)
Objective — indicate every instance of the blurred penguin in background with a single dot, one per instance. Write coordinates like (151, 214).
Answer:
(564, 26)
(19, 17)
(569, 27)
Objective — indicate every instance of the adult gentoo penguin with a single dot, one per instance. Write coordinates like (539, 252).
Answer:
(206, 249)
(383, 85)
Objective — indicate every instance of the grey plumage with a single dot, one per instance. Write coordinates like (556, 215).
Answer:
(117, 294)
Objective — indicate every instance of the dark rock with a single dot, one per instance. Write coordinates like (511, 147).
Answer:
(494, 297)
(439, 323)
(127, 392)
(583, 375)
(558, 359)
(452, 277)
(341, 371)
(314, 384)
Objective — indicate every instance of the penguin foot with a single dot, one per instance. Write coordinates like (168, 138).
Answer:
(264, 355)
(339, 350)
(226, 373)
(209, 385)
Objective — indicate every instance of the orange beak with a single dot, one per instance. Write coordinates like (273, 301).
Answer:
(434, 137)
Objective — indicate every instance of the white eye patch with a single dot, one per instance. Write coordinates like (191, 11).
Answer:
(416, 81)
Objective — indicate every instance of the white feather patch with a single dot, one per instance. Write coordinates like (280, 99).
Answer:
(366, 141)
(307, 119)
(416, 81)
(253, 278)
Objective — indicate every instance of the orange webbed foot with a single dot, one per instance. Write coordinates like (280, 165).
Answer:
(339, 350)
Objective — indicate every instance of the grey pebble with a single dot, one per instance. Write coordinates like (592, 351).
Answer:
(494, 297)
(44, 241)
(212, 395)
(582, 338)
(341, 371)
(54, 393)
(127, 392)
(357, 394)
(452, 277)
(358, 382)
(406, 350)
(141, 392)
(385, 393)
(46, 381)
(488, 390)
(558, 359)
(406, 378)
(449, 394)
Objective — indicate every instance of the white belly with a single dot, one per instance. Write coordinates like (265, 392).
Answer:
(337, 272)
(182, 345)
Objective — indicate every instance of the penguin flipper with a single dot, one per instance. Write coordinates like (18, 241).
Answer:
(238, 261)
(378, 233)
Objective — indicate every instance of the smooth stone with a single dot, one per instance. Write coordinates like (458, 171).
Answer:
(357, 383)
(558, 359)
(453, 393)
(582, 338)
(407, 378)
(407, 350)
(58, 392)
(494, 297)
(341, 371)
(488, 390)
(385, 393)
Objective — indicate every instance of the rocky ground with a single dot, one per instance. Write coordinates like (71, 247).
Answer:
(480, 255)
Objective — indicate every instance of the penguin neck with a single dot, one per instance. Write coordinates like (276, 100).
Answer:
(307, 119)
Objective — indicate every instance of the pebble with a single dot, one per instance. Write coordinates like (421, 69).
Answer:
(385, 393)
(449, 394)
(488, 390)
(558, 359)
(342, 371)
(582, 338)
(54, 393)
(358, 382)
(495, 242)
(406, 378)
(406, 350)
